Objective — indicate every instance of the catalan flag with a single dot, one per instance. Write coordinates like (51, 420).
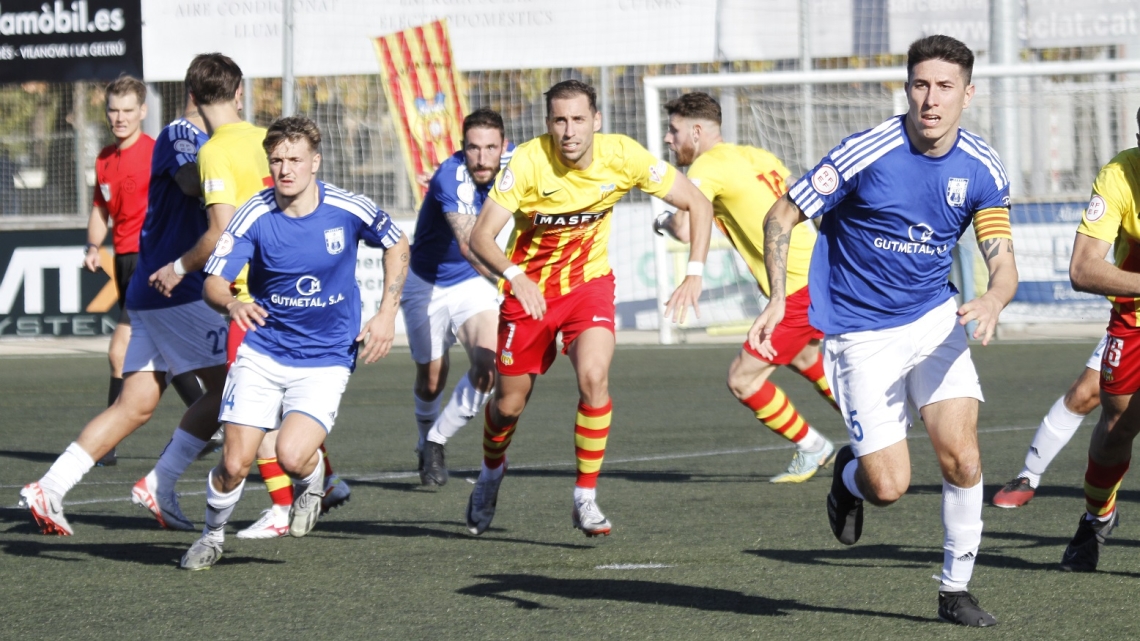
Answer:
(426, 96)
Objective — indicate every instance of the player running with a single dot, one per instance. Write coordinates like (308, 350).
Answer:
(175, 334)
(449, 295)
(1055, 431)
(1110, 220)
(898, 198)
(122, 176)
(232, 169)
(300, 241)
(561, 188)
(742, 182)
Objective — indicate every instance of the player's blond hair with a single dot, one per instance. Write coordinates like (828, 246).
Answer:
(124, 85)
(292, 129)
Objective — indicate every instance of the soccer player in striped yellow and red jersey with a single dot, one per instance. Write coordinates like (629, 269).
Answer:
(1112, 219)
(233, 167)
(743, 183)
(561, 188)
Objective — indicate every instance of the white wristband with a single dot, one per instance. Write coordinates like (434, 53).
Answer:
(695, 269)
(512, 271)
(180, 270)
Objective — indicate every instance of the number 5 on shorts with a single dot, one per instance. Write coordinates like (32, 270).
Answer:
(855, 428)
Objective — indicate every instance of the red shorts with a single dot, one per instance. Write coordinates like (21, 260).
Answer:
(793, 333)
(527, 346)
(1120, 363)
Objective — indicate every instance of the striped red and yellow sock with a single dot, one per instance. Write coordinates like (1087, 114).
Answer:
(817, 378)
(1101, 483)
(278, 483)
(496, 440)
(591, 429)
(328, 465)
(777, 413)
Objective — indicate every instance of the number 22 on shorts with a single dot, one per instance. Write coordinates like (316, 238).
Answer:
(854, 427)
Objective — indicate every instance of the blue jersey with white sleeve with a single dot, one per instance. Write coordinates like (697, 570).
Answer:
(174, 221)
(883, 255)
(302, 271)
(435, 252)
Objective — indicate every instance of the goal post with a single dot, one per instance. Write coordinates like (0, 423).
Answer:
(1073, 117)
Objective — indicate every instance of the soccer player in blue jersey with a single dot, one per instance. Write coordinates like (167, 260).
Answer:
(893, 202)
(172, 335)
(450, 294)
(300, 240)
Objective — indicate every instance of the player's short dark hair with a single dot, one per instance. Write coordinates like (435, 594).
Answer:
(697, 104)
(292, 128)
(939, 47)
(569, 89)
(485, 118)
(213, 78)
(124, 85)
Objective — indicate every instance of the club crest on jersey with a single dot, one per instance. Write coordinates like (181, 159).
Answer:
(507, 358)
(825, 180)
(956, 191)
(185, 147)
(607, 189)
(334, 240)
(657, 171)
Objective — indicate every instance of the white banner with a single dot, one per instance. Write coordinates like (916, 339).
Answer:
(333, 37)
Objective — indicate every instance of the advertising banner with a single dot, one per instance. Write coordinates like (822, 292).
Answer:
(46, 292)
(68, 40)
(425, 94)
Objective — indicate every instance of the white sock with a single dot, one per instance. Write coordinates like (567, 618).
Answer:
(488, 474)
(849, 478)
(219, 507)
(585, 494)
(182, 450)
(1052, 435)
(314, 476)
(67, 470)
(812, 442)
(465, 403)
(426, 414)
(962, 522)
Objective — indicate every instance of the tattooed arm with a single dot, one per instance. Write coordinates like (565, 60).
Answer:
(778, 224)
(998, 254)
(379, 332)
(461, 226)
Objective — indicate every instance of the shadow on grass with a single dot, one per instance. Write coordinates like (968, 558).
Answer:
(154, 554)
(430, 529)
(505, 586)
(34, 457)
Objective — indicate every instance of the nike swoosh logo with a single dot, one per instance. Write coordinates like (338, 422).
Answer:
(602, 318)
(552, 191)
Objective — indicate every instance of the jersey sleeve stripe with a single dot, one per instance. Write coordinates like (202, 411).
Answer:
(857, 144)
(868, 160)
(997, 174)
(216, 265)
(987, 151)
(257, 206)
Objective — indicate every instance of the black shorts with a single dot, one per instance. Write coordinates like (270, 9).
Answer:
(124, 270)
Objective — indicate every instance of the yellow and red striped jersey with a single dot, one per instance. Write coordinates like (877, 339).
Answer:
(1112, 216)
(743, 183)
(562, 215)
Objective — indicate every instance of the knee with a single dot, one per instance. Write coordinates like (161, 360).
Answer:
(428, 387)
(508, 408)
(292, 462)
(482, 375)
(962, 470)
(594, 383)
(1083, 399)
(231, 472)
(885, 488)
(742, 387)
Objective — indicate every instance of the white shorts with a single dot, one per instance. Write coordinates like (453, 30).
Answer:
(1094, 360)
(433, 314)
(260, 391)
(874, 373)
(176, 339)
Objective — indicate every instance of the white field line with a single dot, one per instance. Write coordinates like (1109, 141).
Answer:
(634, 566)
(382, 476)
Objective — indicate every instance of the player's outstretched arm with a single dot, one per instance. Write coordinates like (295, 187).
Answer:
(1090, 272)
(461, 226)
(781, 219)
(169, 275)
(218, 295)
(378, 333)
(685, 195)
(998, 254)
(96, 234)
(491, 220)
